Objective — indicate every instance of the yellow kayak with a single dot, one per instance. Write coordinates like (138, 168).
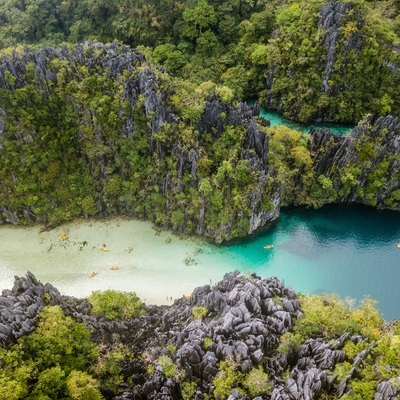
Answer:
(103, 248)
(114, 267)
(398, 245)
(269, 246)
(64, 236)
(94, 273)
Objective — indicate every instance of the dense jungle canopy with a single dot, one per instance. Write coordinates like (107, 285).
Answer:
(311, 60)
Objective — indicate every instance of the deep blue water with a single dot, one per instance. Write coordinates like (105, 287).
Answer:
(277, 119)
(348, 250)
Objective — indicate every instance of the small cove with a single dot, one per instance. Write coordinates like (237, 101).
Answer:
(351, 251)
(277, 119)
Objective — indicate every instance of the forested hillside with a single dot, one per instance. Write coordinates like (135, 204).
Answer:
(138, 108)
(95, 130)
(312, 60)
(157, 127)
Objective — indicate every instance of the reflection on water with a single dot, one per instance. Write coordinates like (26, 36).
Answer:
(348, 250)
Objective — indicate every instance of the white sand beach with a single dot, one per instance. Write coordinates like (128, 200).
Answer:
(158, 266)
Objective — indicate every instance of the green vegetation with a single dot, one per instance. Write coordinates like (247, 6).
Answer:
(207, 342)
(116, 305)
(199, 312)
(188, 390)
(108, 366)
(59, 361)
(276, 51)
(83, 137)
(309, 84)
(329, 317)
(96, 162)
(82, 386)
(255, 383)
(167, 365)
(98, 130)
(50, 361)
(228, 378)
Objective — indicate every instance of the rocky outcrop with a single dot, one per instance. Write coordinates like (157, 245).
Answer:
(118, 143)
(20, 306)
(128, 145)
(218, 115)
(331, 18)
(246, 318)
(388, 390)
(334, 64)
(364, 165)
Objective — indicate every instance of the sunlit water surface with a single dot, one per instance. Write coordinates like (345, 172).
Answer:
(351, 251)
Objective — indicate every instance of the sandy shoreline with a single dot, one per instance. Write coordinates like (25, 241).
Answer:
(157, 265)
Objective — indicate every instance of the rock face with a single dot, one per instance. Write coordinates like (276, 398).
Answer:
(325, 58)
(332, 17)
(363, 166)
(246, 318)
(20, 306)
(130, 150)
(95, 131)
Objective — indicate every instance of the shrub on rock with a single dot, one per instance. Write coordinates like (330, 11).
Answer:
(115, 305)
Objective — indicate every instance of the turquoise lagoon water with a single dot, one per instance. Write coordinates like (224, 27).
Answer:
(351, 251)
(277, 119)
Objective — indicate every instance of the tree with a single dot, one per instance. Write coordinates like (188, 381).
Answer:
(198, 18)
(116, 305)
(60, 341)
(81, 386)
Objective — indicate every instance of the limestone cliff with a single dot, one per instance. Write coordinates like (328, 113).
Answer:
(331, 61)
(94, 130)
(362, 167)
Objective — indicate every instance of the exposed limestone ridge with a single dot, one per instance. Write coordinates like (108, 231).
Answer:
(117, 115)
(247, 317)
(330, 18)
(374, 145)
(115, 57)
(388, 390)
(218, 115)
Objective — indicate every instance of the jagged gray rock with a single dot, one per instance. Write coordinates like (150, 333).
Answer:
(246, 319)
(333, 154)
(330, 19)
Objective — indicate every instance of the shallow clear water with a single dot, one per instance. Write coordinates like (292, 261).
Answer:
(351, 251)
(277, 119)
